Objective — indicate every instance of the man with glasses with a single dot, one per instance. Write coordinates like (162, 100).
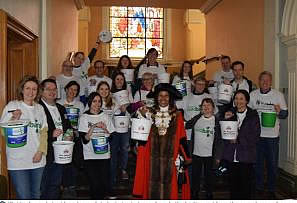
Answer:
(57, 126)
(64, 78)
(94, 80)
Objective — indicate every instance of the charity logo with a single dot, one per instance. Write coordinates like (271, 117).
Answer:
(226, 90)
(228, 128)
(122, 123)
(66, 151)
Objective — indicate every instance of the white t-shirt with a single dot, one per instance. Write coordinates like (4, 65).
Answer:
(56, 117)
(62, 81)
(219, 76)
(264, 103)
(151, 69)
(204, 136)
(92, 88)
(85, 122)
(21, 158)
(82, 73)
(75, 104)
(241, 86)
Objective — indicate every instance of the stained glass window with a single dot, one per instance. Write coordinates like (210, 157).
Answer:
(135, 30)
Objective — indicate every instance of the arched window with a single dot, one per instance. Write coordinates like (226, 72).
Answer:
(135, 30)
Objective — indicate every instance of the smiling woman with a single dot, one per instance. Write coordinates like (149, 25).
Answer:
(25, 164)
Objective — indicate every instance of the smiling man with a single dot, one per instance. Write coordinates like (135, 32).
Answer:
(272, 102)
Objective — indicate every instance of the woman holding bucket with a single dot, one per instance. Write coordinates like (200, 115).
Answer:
(120, 139)
(183, 82)
(240, 151)
(94, 128)
(74, 110)
(26, 157)
(156, 171)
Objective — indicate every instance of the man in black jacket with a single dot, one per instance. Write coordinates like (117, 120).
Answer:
(57, 126)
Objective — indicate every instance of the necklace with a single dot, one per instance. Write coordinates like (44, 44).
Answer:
(162, 120)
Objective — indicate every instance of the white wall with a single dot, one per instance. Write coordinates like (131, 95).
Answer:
(28, 12)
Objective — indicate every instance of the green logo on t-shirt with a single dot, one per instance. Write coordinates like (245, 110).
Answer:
(208, 131)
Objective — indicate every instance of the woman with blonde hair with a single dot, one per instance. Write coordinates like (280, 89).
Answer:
(25, 164)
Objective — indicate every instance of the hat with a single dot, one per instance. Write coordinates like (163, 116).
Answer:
(165, 87)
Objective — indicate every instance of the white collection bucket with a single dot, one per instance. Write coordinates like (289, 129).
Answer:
(225, 93)
(140, 129)
(63, 151)
(163, 77)
(100, 144)
(122, 97)
(229, 129)
(129, 74)
(121, 123)
(15, 133)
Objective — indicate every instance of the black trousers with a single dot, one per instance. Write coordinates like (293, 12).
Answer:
(240, 180)
(98, 173)
(197, 163)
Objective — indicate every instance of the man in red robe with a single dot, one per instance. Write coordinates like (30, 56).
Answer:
(156, 173)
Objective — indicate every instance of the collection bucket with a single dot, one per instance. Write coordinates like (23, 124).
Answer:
(140, 129)
(63, 151)
(225, 93)
(15, 133)
(72, 115)
(229, 129)
(163, 77)
(268, 119)
(181, 86)
(129, 74)
(121, 123)
(100, 144)
(122, 97)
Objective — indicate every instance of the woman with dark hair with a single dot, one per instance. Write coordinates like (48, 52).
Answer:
(205, 130)
(109, 106)
(95, 124)
(25, 164)
(74, 109)
(156, 171)
(149, 64)
(120, 140)
(72, 91)
(185, 77)
(124, 63)
(241, 152)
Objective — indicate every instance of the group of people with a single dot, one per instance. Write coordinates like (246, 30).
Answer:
(185, 135)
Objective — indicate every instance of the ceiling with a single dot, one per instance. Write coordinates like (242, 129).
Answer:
(177, 4)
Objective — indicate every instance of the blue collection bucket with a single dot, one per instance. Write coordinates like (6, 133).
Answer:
(15, 133)
(100, 144)
(72, 115)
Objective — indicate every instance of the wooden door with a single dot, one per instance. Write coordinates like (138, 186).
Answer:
(18, 57)
(21, 61)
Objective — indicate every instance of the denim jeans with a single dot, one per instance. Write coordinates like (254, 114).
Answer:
(51, 181)
(267, 149)
(27, 182)
(119, 144)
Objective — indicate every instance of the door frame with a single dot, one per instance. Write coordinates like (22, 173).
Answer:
(9, 24)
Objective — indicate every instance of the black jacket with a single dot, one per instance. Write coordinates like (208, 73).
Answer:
(217, 148)
(51, 127)
(248, 136)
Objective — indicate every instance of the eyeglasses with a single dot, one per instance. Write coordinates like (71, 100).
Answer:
(50, 90)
